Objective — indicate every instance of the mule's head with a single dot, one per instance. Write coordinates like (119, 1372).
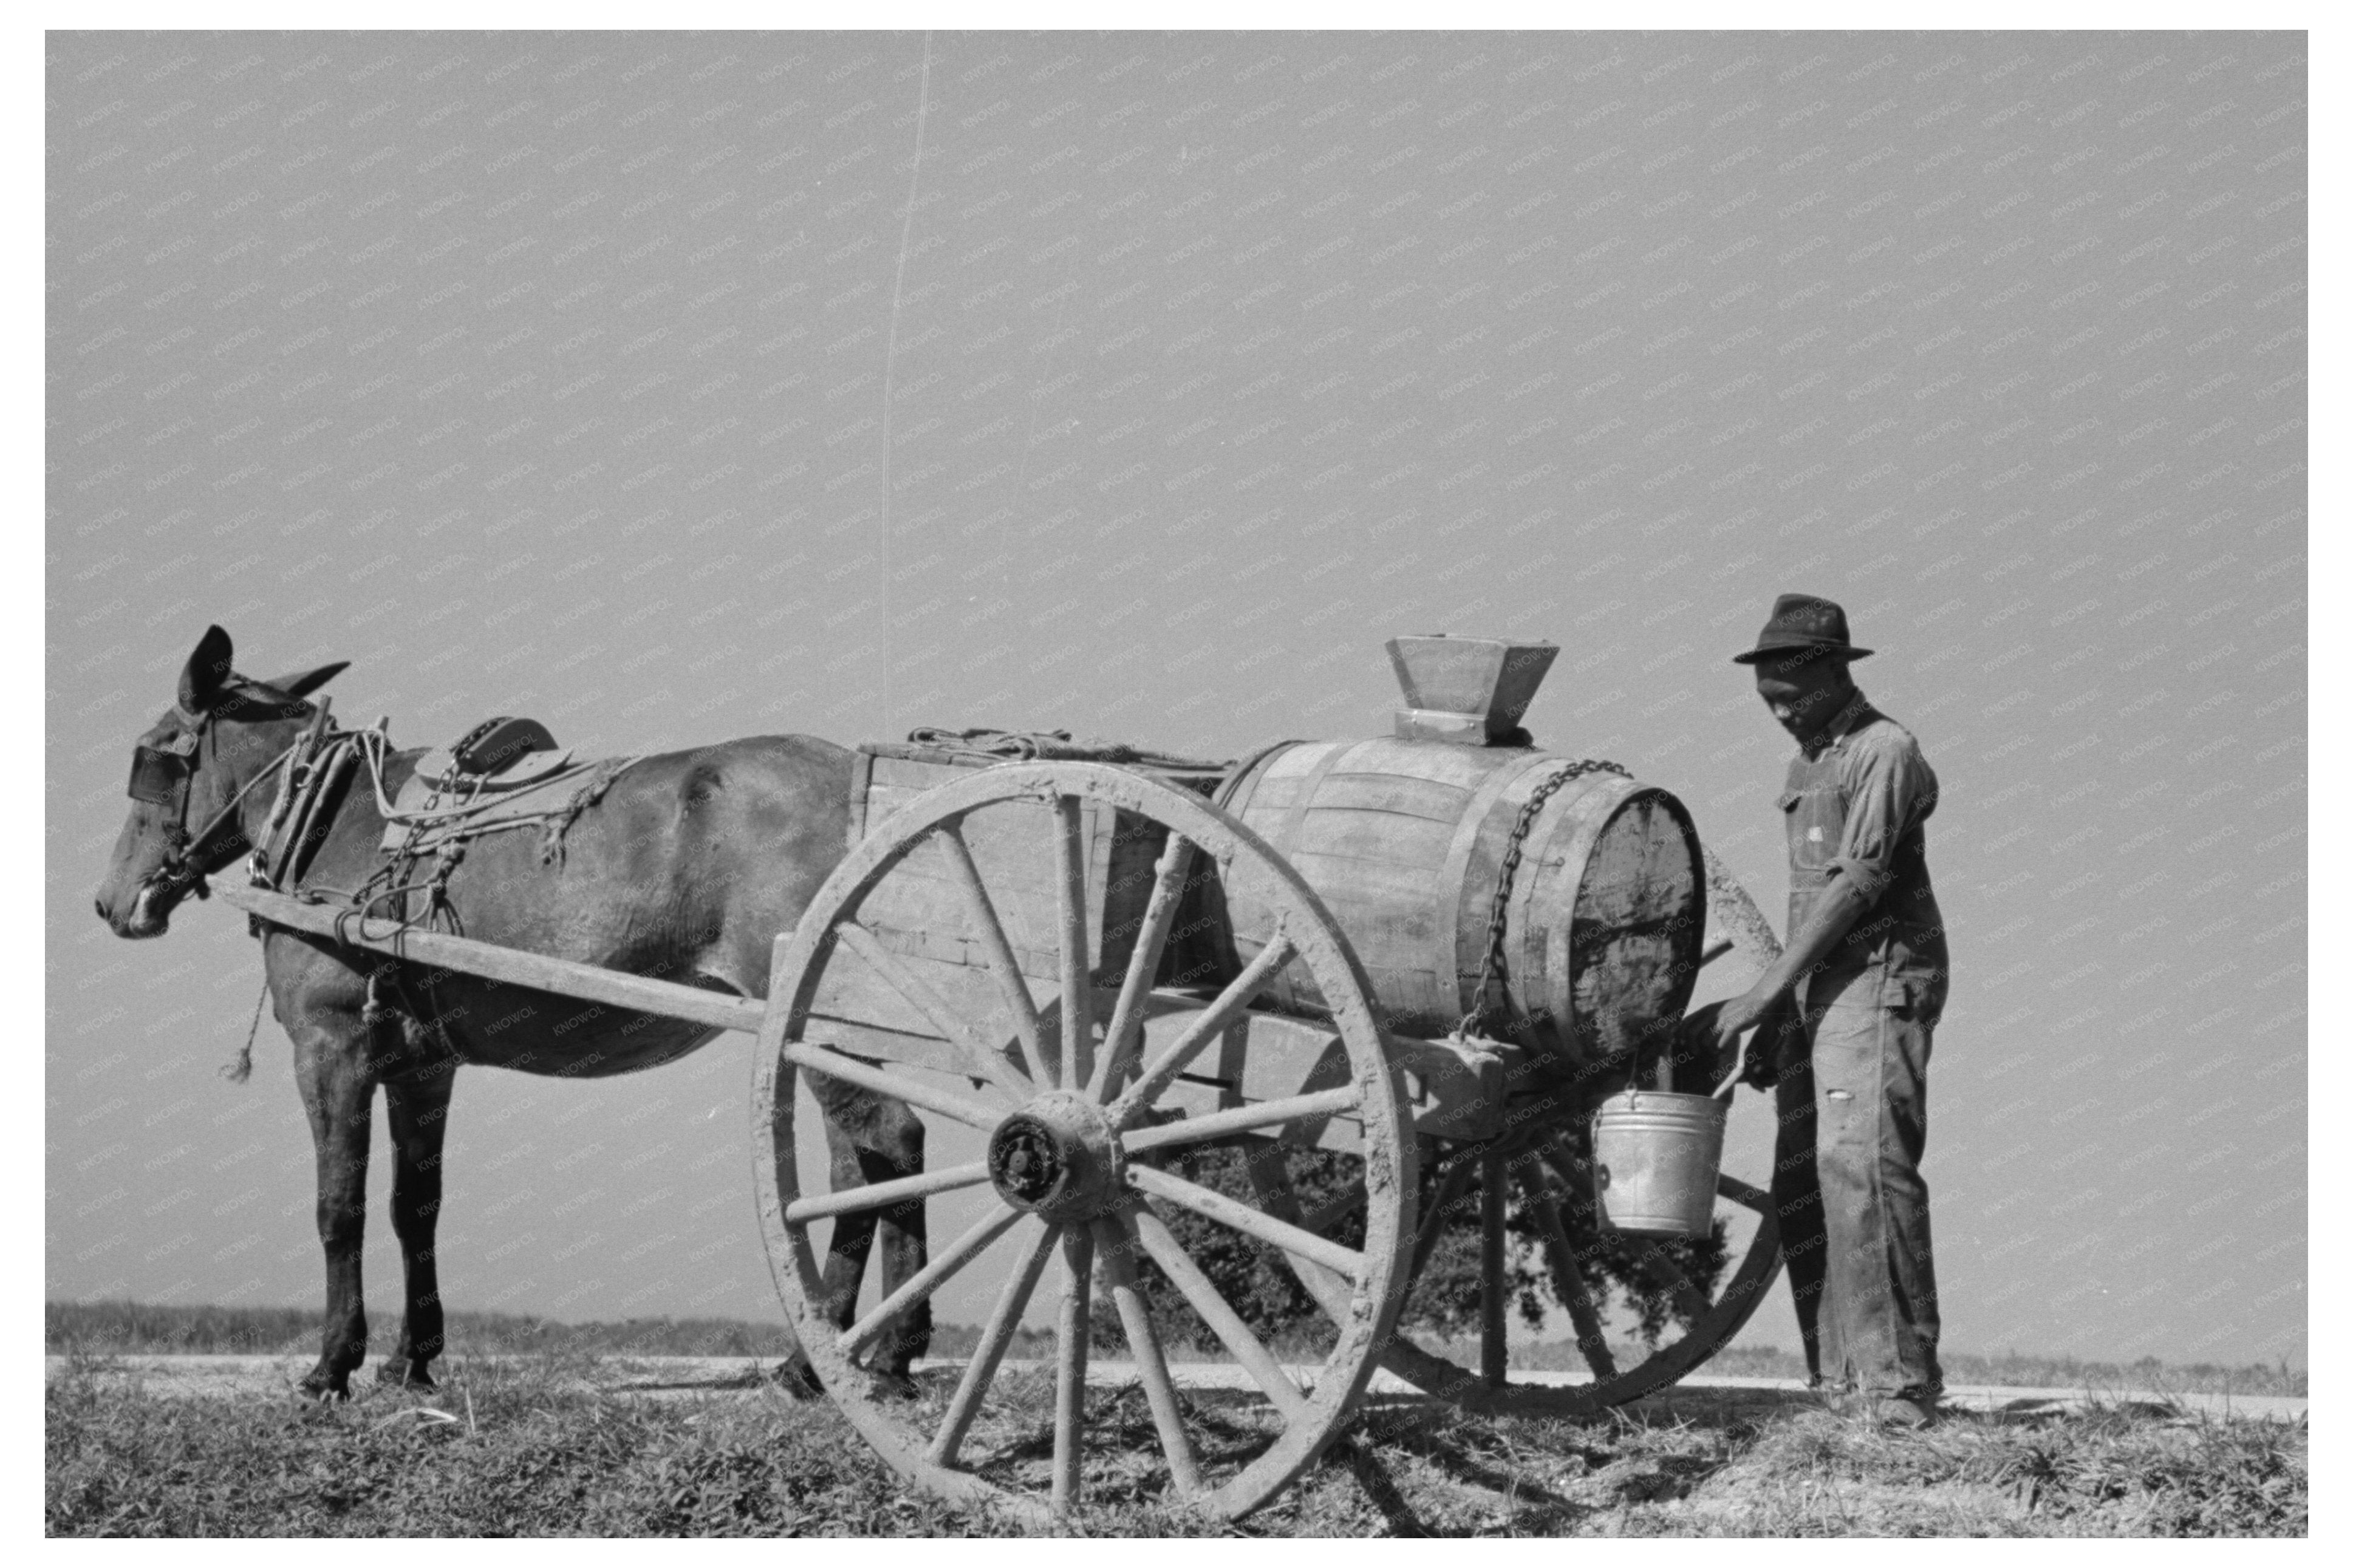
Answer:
(188, 775)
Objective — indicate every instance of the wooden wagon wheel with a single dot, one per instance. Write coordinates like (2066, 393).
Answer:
(1548, 1177)
(1072, 1162)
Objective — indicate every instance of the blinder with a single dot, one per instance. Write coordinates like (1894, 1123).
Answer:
(159, 777)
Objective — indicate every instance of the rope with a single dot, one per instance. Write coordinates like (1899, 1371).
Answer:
(393, 879)
(559, 823)
(1047, 745)
(240, 1067)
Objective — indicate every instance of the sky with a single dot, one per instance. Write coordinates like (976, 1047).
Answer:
(673, 388)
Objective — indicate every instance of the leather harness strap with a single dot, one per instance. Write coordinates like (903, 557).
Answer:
(189, 862)
(311, 771)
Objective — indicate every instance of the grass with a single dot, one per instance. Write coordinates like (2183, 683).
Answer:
(132, 1328)
(516, 1446)
(2147, 1375)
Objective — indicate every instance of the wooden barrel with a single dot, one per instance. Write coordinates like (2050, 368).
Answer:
(1403, 840)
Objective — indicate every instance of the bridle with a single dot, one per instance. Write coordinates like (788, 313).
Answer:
(161, 776)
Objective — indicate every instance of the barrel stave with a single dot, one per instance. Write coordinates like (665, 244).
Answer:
(1404, 841)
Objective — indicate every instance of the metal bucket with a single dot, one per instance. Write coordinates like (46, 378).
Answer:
(1655, 1157)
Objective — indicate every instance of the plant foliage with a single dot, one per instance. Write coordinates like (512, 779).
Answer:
(1258, 1282)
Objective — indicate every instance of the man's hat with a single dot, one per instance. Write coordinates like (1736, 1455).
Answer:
(1802, 623)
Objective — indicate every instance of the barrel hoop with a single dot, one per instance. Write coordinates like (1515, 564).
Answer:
(1233, 795)
(1581, 825)
(1450, 991)
(1286, 844)
(1295, 821)
(1230, 796)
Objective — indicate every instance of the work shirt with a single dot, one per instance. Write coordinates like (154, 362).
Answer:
(1856, 806)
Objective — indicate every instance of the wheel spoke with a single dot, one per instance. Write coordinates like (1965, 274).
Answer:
(1576, 1191)
(1070, 904)
(979, 1058)
(1270, 1177)
(1492, 1214)
(1741, 1193)
(897, 1086)
(1653, 1261)
(1242, 1117)
(1579, 1188)
(1126, 1029)
(930, 1277)
(1451, 1185)
(1117, 1247)
(880, 1194)
(1003, 967)
(1319, 1221)
(1071, 1365)
(1211, 1023)
(978, 1373)
(1663, 1271)
(1568, 1283)
(1203, 1296)
(1246, 1219)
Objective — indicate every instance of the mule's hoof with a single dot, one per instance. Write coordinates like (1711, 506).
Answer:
(889, 1385)
(406, 1374)
(326, 1387)
(796, 1379)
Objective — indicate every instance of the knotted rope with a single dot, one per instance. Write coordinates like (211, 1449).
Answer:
(1047, 745)
(313, 772)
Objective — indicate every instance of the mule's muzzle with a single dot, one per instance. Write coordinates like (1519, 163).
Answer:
(150, 914)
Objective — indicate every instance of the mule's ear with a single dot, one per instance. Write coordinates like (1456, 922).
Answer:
(208, 671)
(304, 684)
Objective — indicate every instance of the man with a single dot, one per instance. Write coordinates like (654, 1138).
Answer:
(1848, 1012)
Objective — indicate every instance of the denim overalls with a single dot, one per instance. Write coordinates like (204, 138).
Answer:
(1852, 1094)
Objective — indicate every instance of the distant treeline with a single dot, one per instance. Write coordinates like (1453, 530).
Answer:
(107, 1328)
(114, 1328)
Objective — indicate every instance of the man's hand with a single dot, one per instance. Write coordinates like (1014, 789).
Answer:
(1713, 1034)
(1762, 1068)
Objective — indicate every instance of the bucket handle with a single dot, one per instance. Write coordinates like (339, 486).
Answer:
(1722, 1092)
(1663, 1083)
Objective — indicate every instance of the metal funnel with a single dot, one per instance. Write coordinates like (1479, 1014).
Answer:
(1468, 690)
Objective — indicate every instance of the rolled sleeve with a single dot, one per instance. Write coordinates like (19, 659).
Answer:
(1890, 792)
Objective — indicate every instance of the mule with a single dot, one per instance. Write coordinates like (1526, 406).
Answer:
(688, 868)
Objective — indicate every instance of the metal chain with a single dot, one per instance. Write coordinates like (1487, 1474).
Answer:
(1492, 965)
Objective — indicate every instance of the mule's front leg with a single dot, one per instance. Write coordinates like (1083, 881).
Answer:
(338, 1093)
(416, 1115)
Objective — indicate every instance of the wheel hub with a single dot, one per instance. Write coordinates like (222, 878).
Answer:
(1055, 1157)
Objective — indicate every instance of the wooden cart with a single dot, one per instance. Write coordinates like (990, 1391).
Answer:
(1084, 975)
(1029, 954)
